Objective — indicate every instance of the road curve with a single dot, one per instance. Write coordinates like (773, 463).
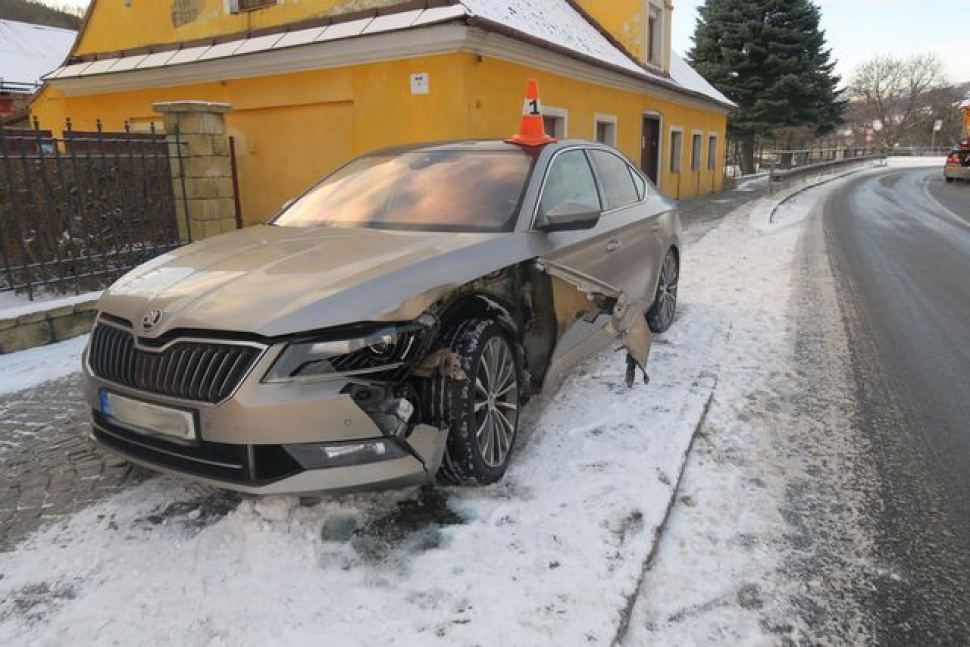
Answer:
(899, 243)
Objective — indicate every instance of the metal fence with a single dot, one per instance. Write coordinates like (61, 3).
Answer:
(77, 211)
(787, 167)
(920, 151)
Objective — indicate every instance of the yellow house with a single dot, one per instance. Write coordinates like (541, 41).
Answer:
(313, 83)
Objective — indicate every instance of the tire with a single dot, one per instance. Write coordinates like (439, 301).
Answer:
(949, 179)
(661, 314)
(480, 409)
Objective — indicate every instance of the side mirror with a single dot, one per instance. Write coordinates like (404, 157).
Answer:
(570, 215)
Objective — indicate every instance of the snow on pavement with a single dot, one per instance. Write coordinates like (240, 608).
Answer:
(28, 368)
(695, 591)
(13, 305)
(548, 555)
(552, 555)
(766, 543)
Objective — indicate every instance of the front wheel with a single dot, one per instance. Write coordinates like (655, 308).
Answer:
(661, 313)
(481, 407)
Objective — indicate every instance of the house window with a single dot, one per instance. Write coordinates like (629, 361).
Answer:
(605, 129)
(655, 34)
(237, 6)
(711, 152)
(695, 152)
(676, 150)
(555, 121)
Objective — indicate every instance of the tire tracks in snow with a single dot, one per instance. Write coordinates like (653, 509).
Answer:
(626, 613)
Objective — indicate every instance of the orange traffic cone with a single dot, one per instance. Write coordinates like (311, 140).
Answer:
(531, 132)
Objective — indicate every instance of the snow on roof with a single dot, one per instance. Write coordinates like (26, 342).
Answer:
(554, 21)
(28, 52)
(689, 79)
(558, 22)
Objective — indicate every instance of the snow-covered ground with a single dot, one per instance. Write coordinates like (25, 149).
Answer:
(555, 554)
(770, 539)
(28, 368)
(717, 568)
(550, 554)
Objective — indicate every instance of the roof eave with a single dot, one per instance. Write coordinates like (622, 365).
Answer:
(645, 76)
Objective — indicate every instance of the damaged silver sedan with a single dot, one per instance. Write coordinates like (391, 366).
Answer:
(387, 327)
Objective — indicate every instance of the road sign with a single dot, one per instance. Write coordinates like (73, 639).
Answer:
(938, 126)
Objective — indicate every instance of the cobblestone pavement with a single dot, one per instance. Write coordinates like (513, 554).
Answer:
(48, 468)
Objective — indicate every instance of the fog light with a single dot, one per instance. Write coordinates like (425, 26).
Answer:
(318, 456)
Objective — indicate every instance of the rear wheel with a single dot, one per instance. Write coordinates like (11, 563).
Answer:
(661, 313)
(481, 407)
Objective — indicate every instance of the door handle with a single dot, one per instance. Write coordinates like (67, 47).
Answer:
(613, 245)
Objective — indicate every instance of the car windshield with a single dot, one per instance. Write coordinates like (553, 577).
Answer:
(439, 190)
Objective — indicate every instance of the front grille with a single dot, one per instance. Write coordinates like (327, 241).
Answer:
(192, 370)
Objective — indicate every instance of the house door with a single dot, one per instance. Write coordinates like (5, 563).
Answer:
(650, 149)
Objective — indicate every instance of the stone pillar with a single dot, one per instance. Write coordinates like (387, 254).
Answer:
(200, 126)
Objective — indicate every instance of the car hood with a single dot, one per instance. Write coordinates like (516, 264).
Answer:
(276, 281)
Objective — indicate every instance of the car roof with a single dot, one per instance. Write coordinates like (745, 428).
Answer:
(488, 145)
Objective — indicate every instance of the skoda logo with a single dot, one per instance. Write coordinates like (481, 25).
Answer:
(151, 319)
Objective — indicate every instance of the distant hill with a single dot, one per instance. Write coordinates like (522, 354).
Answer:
(38, 14)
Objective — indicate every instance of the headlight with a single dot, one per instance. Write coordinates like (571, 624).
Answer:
(375, 352)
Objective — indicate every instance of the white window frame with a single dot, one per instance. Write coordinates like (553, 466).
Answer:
(712, 160)
(598, 119)
(561, 113)
(700, 151)
(661, 11)
(680, 153)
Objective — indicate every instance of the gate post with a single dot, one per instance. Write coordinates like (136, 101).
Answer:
(201, 167)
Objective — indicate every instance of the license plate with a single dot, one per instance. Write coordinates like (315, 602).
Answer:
(148, 418)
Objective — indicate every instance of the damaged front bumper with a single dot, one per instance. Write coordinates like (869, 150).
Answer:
(277, 438)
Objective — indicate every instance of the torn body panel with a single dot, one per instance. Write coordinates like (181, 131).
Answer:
(626, 315)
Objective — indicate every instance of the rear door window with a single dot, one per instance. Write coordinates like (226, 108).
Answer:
(619, 190)
(640, 183)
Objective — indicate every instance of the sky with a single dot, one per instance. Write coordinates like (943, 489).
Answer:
(859, 29)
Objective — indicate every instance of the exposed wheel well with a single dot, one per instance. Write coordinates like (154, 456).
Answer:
(519, 298)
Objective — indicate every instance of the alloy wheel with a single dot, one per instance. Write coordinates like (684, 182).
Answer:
(496, 401)
(667, 290)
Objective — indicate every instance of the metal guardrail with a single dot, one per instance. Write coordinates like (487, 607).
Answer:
(843, 158)
(920, 151)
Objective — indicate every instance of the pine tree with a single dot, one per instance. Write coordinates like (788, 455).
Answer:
(769, 57)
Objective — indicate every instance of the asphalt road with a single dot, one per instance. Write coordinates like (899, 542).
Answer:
(899, 244)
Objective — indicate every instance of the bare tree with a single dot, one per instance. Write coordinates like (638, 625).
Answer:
(893, 93)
